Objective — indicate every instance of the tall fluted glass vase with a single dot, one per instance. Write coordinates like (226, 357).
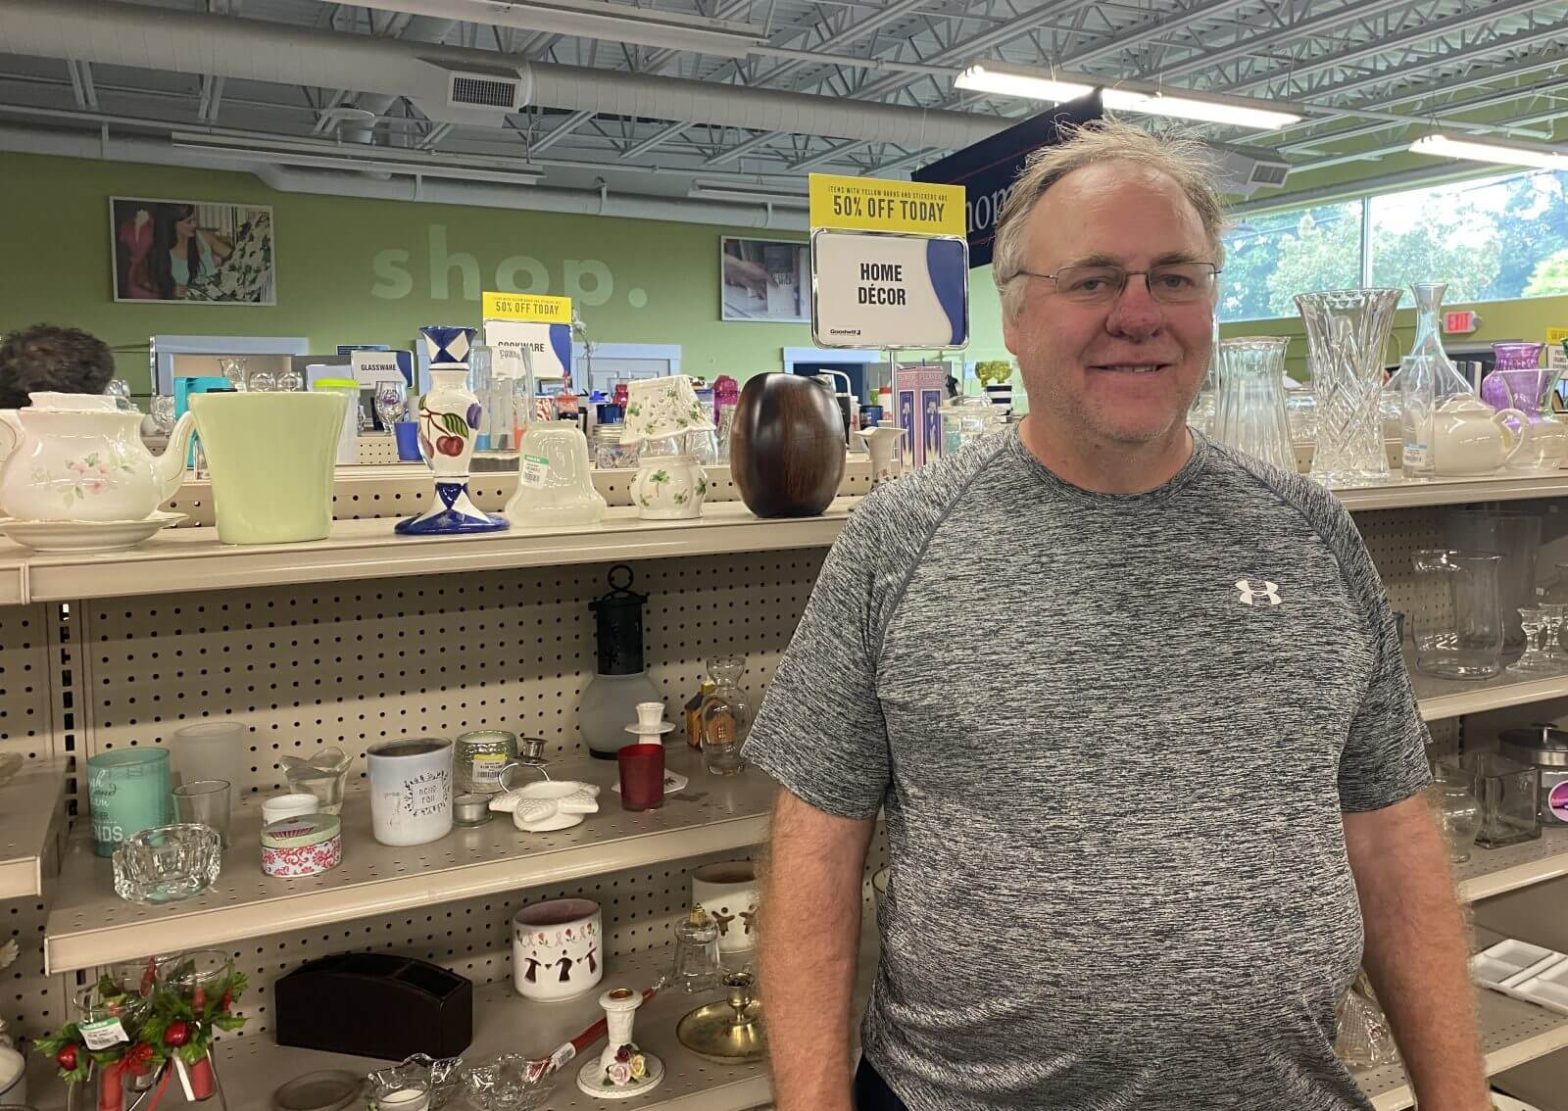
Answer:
(1346, 333)
(1250, 415)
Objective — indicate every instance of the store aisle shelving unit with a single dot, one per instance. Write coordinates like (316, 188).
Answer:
(89, 925)
(1440, 699)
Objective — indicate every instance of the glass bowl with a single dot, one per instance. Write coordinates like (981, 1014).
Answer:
(510, 1082)
(420, 1073)
(167, 863)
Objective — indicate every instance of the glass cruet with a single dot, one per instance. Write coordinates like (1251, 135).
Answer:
(1425, 382)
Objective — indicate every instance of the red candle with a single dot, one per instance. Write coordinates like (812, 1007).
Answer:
(642, 776)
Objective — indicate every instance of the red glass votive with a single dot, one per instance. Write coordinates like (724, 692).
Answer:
(642, 776)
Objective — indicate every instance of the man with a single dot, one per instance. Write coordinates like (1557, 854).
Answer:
(1134, 708)
(45, 358)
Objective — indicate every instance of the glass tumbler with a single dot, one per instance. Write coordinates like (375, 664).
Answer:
(698, 966)
(1459, 813)
(205, 802)
(1467, 641)
(127, 792)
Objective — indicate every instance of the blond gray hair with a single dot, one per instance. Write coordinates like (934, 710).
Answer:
(1184, 161)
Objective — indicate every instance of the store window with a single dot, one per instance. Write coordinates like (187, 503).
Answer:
(1492, 239)
(1271, 257)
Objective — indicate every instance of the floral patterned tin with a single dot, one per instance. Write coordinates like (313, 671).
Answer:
(304, 845)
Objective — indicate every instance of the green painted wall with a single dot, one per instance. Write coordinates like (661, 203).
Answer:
(360, 271)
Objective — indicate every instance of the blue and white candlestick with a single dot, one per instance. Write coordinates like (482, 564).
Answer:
(448, 424)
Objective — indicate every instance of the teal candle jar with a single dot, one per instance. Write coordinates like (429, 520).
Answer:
(128, 790)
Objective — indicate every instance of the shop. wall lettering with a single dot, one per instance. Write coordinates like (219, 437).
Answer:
(458, 275)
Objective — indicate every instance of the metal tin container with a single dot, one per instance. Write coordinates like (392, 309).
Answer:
(304, 845)
(479, 757)
(1545, 747)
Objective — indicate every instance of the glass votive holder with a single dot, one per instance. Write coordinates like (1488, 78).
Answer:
(127, 792)
(471, 809)
(167, 863)
(642, 776)
(204, 802)
(698, 966)
(1509, 794)
(478, 758)
(321, 776)
(397, 1090)
(210, 750)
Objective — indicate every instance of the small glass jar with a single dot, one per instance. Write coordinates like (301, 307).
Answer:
(726, 717)
(608, 451)
(1458, 811)
(478, 759)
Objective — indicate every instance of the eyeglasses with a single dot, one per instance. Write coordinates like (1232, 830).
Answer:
(1172, 283)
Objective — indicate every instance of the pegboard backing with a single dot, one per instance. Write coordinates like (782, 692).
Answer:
(355, 663)
(31, 1002)
(392, 489)
(25, 684)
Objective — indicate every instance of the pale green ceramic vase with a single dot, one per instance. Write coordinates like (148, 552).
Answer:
(271, 456)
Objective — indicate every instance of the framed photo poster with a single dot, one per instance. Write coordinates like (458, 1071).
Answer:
(764, 279)
(192, 251)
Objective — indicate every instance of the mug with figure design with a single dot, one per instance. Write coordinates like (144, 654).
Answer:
(728, 891)
(556, 949)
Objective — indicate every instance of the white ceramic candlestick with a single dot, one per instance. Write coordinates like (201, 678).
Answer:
(621, 1070)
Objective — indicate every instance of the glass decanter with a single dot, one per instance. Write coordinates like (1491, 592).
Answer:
(726, 716)
(1458, 812)
(1425, 382)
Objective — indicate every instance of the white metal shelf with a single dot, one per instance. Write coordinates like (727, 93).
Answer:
(89, 925)
(32, 824)
(194, 558)
(1411, 493)
(1491, 872)
(1450, 698)
(1512, 1032)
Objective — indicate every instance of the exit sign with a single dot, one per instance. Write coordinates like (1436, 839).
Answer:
(1461, 322)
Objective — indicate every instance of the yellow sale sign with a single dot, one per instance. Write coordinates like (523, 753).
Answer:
(872, 204)
(532, 308)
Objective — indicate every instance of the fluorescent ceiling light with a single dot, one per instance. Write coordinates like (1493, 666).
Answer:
(1441, 146)
(1006, 81)
(1193, 108)
(746, 194)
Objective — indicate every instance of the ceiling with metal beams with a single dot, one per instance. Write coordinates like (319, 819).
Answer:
(649, 98)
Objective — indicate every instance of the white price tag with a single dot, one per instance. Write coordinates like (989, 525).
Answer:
(103, 1033)
(1414, 455)
(487, 769)
(536, 468)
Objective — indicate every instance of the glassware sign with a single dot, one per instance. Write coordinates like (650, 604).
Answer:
(889, 264)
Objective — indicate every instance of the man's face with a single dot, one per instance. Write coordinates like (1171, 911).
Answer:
(1126, 371)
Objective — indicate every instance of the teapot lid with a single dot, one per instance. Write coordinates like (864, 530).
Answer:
(74, 403)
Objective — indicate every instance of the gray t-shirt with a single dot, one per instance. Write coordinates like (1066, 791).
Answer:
(1113, 737)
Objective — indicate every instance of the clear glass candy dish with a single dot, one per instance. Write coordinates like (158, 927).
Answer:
(167, 863)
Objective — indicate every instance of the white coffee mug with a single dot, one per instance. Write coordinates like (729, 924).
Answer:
(728, 892)
(410, 790)
(556, 951)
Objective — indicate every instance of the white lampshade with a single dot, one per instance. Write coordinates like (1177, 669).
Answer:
(660, 407)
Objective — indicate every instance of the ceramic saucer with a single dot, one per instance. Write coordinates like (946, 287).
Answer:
(86, 536)
(662, 727)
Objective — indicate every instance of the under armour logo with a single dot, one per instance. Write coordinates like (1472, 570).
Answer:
(1253, 595)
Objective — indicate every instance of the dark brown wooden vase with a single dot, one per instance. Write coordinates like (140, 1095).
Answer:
(787, 446)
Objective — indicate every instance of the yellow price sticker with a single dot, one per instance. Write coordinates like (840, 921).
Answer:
(1555, 336)
(872, 204)
(533, 308)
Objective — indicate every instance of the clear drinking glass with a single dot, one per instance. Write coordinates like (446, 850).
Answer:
(234, 369)
(1467, 642)
(261, 381)
(1458, 811)
(1346, 333)
(204, 802)
(391, 399)
(1250, 413)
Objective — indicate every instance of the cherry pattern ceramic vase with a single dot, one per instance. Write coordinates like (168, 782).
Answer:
(448, 424)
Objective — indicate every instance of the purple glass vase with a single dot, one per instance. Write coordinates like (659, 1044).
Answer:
(1517, 381)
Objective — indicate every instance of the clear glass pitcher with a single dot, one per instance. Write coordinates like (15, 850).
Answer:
(1465, 639)
(1250, 415)
(1346, 332)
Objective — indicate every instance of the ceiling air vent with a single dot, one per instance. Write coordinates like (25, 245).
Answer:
(1269, 173)
(482, 90)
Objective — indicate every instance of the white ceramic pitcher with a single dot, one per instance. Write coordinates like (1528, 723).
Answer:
(79, 457)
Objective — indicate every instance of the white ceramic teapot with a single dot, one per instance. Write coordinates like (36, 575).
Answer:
(1470, 438)
(78, 457)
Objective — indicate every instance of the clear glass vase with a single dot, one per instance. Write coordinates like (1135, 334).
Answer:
(1465, 639)
(1426, 380)
(1250, 415)
(1458, 811)
(1346, 333)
